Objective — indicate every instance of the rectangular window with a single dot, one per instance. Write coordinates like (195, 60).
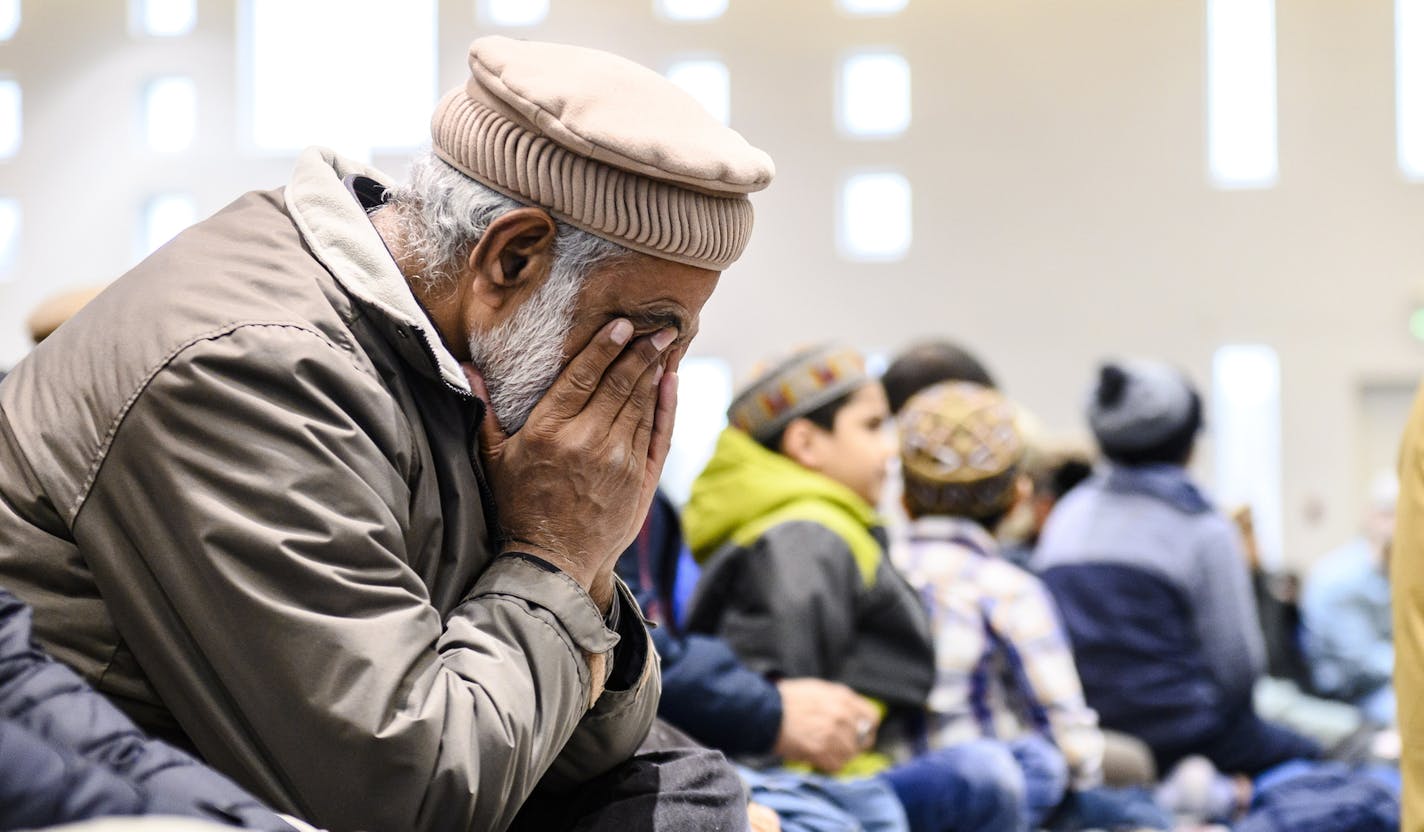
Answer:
(9, 238)
(163, 217)
(873, 95)
(170, 113)
(11, 118)
(709, 82)
(1246, 439)
(875, 217)
(1241, 93)
(1409, 85)
(163, 18)
(514, 12)
(691, 10)
(704, 394)
(9, 18)
(308, 75)
(872, 7)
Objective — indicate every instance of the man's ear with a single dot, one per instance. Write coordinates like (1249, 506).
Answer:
(516, 250)
(802, 441)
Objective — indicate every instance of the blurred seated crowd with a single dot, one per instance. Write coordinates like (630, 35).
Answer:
(341, 510)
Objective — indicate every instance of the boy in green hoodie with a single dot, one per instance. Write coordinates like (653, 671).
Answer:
(797, 582)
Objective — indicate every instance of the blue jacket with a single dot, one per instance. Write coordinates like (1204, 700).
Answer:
(1349, 631)
(707, 691)
(67, 754)
(1155, 593)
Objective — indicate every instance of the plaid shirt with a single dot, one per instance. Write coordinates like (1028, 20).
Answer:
(1003, 662)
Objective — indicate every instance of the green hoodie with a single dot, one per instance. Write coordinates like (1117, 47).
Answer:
(746, 490)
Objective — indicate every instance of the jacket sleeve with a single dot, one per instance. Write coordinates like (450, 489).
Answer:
(67, 754)
(711, 695)
(1224, 610)
(785, 603)
(247, 530)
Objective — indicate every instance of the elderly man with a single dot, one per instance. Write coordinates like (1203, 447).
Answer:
(331, 487)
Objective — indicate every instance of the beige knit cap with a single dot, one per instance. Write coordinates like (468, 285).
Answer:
(606, 145)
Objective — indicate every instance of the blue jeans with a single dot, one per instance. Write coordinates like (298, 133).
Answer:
(811, 803)
(982, 786)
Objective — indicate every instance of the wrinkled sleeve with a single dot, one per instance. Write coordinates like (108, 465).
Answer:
(247, 531)
(785, 604)
(1224, 607)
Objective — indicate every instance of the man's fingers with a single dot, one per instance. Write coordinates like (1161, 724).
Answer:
(634, 423)
(661, 441)
(620, 382)
(581, 378)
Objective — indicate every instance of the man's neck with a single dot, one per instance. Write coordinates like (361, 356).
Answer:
(438, 302)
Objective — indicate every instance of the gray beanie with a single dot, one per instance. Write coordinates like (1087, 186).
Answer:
(1136, 406)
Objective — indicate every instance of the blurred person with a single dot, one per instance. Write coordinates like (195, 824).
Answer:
(1345, 606)
(1153, 586)
(53, 311)
(1004, 668)
(797, 581)
(1052, 469)
(68, 755)
(770, 723)
(927, 363)
(342, 513)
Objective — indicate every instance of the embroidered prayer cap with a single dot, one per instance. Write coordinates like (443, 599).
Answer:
(960, 450)
(606, 145)
(797, 385)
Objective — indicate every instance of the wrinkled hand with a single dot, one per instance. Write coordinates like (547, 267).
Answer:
(824, 723)
(575, 483)
(762, 818)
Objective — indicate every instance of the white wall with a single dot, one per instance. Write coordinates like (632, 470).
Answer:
(1062, 208)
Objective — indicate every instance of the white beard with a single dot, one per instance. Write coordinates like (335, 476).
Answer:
(521, 358)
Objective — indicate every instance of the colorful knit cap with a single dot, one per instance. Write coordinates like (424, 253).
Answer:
(961, 449)
(796, 386)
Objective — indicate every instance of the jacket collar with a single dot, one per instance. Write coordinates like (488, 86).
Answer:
(341, 236)
(952, 530)
(1169, 483)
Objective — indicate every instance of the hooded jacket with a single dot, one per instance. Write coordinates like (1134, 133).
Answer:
(242, 493)
(796, 579)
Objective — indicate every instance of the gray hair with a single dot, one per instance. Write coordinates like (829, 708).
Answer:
(443, 214)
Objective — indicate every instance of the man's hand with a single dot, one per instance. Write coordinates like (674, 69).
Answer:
(575, 483)
(762, 819)
(824, 723)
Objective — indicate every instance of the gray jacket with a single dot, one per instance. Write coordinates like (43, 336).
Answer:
(241, 492)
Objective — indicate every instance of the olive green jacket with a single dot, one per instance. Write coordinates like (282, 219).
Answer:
(241, 491)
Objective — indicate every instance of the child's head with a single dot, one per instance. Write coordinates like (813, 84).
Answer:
(822, 410)
(961, 452)
(1144, 412)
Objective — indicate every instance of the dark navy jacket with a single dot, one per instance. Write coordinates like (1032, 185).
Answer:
(67, 754)
(707, 691)
(1155, 594)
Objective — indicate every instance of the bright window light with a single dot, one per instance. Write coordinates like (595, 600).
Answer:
(1241, 92)
(875, 217)
(872, 7)
(690, 10)
(163, 217)
(874, 95)
(9, 18)
(170, 113)
(1409, 85)
(11, 117)
(704, 392)
(306, 81)
(9, 237)
(1246, 439)
(164, 18)
(514, 12)
(709, 82)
